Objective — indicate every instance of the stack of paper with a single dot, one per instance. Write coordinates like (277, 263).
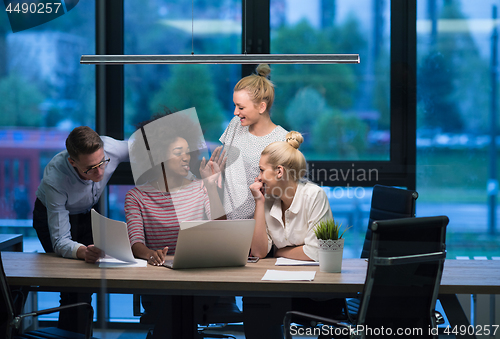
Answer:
(293, 262)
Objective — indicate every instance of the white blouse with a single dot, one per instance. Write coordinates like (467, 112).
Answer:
(309, 206)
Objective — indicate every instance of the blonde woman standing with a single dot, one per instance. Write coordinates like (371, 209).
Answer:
(248, 133)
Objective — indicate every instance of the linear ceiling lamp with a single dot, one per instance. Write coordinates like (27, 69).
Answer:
(221, 59)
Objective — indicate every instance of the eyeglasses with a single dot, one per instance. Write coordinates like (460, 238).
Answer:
(93, 169)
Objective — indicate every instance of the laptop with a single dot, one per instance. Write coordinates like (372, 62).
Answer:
(212, 243)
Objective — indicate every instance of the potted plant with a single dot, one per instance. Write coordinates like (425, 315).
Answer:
(331, 245)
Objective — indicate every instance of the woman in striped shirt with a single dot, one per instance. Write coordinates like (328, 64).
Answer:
(154, 210)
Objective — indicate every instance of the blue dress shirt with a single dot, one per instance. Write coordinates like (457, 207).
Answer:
(63, 193)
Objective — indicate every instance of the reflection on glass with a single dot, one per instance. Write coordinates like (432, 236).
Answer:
(453, 123)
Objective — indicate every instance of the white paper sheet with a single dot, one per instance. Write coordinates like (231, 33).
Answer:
(110, 262)
(277, 275)
(293, 262)
(111, 236)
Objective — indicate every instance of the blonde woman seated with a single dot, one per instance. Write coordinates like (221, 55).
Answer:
(287, 207)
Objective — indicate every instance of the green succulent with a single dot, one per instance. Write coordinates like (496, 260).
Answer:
(329, 229)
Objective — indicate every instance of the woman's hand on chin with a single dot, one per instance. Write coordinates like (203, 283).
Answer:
(257, 189)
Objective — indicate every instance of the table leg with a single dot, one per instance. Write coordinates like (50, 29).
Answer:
(187, 322)
(455, 313)
(176, 319)
(263, 317)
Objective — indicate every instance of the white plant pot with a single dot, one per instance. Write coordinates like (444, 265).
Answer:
(330, 255)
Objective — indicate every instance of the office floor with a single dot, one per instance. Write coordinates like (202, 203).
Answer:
(236, 331)
(121, 334)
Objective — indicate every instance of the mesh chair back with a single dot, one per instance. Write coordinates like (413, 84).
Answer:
(388, 203)
(6, 304)
(404, 272)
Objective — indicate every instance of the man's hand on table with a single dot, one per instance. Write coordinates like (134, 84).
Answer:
(89, 253)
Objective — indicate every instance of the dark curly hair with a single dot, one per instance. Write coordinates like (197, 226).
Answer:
(178, 125)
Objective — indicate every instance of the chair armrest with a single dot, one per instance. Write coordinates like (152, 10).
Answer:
(408, 259)
(16, 322)
(327, 321)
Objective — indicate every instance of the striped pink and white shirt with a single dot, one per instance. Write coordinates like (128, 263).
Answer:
(152, 218)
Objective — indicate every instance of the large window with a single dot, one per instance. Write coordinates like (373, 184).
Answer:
(176, 27)
(457, 151)
(45, 94)
(351, 121)
(417, 112)
(342, 110)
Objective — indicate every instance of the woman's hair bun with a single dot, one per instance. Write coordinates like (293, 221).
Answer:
(263, 70)
(294, 139)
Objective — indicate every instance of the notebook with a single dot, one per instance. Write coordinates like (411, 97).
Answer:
(212, 243)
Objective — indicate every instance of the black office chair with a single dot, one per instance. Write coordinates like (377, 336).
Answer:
(11, 317)
(216, 315)
(402, 281)
(388, 203)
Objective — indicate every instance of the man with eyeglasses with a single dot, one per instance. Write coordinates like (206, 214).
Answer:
(72, 184)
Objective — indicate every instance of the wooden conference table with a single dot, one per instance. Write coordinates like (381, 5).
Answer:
(48, 272)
